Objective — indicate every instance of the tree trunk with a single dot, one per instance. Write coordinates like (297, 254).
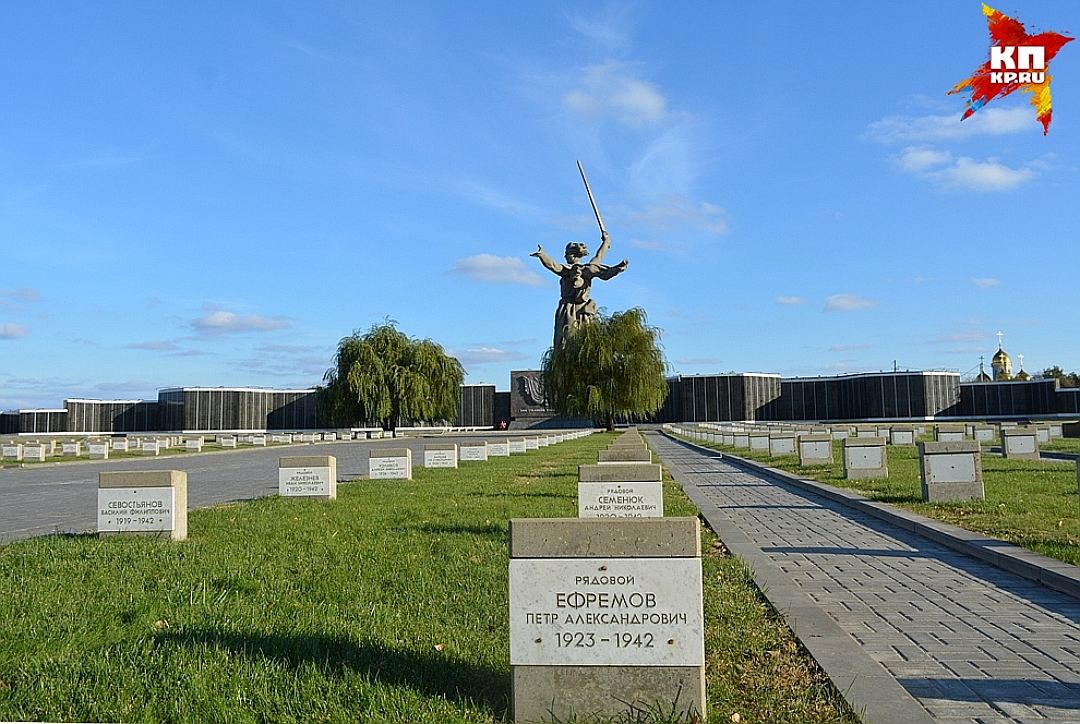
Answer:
(609, 422)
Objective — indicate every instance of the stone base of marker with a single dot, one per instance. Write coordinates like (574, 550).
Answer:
(620, 490)
(441, 455)
(390, 463)
(950, 471)
(563, 667)
(864, 457)
(308, 476)
(143, 502)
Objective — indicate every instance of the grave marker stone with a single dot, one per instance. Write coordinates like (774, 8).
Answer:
(34, 453)
(950, 471)
(12, 451)
(474, 451)
(943, 433)
(143, 502)
(441, 455)
(781, 443)
(815, 449)
(309, 476)
(517, 445)
(620, 490)
(864, 457)
(904, 436)
(499, 448)
(605, 614)
(120, 445)
(98, 450)
(390, 463)
(1019, 444)
(71, 448)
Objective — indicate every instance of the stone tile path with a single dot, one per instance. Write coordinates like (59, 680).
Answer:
(969, 642)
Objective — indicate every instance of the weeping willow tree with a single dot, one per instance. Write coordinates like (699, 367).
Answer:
(606, 369)
(386, 377)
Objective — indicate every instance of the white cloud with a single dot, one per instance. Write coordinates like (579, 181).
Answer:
(848, 347)
(22, 294)
(971, 175)
(669, 214)
(220, 321)
(651, 245)
(789, 300)
(496, 270)
(159, 346)
(610, 29)
(484, 355)
(921, 158)
(986, 282)
(971, 335)
(961, 173)
(611, 90)
(10, 330)
(921, 129)
(847, 302)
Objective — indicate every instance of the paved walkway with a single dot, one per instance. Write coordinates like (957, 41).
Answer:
(966, 641)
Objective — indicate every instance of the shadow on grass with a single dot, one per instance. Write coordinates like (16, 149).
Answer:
(522, 495)
(434, 674)
(489, 531)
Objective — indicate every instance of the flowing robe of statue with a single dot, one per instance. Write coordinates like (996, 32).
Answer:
(575, 284)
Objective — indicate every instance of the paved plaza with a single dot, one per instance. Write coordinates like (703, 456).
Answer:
(965, 641)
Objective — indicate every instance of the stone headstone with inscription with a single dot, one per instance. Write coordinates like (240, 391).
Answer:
(143, 502)
(606, 615)
(310, 476)
(473, 451)
(620, 490)
(441, 455)
(393, 463)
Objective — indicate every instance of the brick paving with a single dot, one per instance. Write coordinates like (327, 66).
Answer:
(969, 642)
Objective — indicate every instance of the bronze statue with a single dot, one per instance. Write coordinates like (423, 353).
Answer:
(575, 278)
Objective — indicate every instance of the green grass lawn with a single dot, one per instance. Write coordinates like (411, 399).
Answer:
(1031, 503)
(388, 604)
(1063, 444)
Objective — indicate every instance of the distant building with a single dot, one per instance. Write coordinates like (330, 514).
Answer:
(1001, 363)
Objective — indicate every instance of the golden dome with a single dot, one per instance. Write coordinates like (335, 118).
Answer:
(1022, 375)
(1000, 357)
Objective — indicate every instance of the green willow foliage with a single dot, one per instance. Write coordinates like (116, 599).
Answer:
(607, 369)
(385, 377)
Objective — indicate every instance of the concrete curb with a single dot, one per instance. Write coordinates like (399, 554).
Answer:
(1057, 575)
(871, 691)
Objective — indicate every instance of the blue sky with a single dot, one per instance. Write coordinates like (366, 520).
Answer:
(215, 193)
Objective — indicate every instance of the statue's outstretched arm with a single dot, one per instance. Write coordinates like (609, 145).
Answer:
(605, 244)
(607, 272)
(546, 260)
